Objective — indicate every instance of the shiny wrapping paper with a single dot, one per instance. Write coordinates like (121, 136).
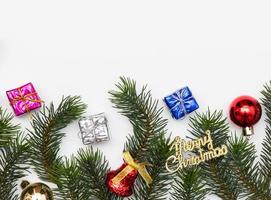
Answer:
(181, 103)
(24, 99)
(94, 129)
(121, 181)
(125, 187)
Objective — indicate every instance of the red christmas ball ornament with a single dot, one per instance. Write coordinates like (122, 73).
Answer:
(245, 111)
(124, 187)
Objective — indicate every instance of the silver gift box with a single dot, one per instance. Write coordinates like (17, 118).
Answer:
(94, 129)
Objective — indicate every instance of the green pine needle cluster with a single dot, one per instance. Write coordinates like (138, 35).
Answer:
(46, 136)
(237, 175)
(217, 174)
(13, 156)
(158, 190)
(143, 114)
(246, 169)
(94, 167)
(68, 180)
(148, 142)
(8, 130)
(266, 151)
(83, 177)
(189, 184)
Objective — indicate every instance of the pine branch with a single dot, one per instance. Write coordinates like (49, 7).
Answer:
(189, 184)
(243, 155)
(218, 177)
(158, 190)
(7, 129)
(13, 158)
(148, 142)
(46, 136)
(93, 168)
(68, 181)
(143, 114)
(265, 154)
(212, 121)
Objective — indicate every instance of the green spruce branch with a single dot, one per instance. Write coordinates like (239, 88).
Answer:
(266, 151)
(189, 184)
(45, 139)
(243, 155)
(83, 177)
(143, 114)
(147, 143)
(94, 167)
(158, 190)
(68, 180)
(13, 159)
(7, 129)
(79, 178)
(218, 177)
(13, 156)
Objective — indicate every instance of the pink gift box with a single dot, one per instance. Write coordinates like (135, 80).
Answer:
(24, 99)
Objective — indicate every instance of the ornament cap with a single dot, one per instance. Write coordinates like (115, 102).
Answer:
(248, 131)
(24, 184)
(37, 191)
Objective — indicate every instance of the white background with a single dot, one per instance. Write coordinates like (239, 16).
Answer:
(220, 49)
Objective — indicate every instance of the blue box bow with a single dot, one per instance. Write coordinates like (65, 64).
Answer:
(181, 103)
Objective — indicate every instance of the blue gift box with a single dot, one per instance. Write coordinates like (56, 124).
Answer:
(181, 103)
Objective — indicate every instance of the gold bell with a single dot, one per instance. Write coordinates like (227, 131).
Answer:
(35, 191)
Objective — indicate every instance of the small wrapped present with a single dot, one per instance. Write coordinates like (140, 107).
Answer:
(24, 99)
(181, 103)
(94, 129)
